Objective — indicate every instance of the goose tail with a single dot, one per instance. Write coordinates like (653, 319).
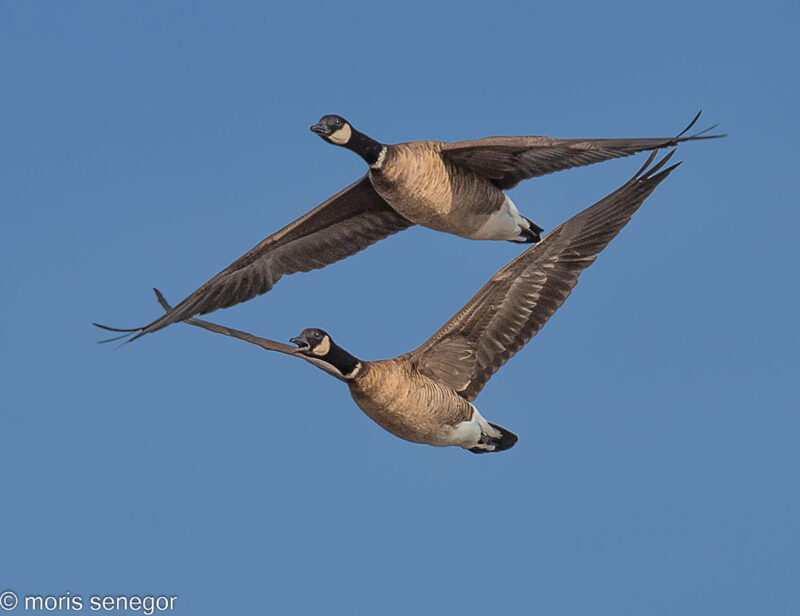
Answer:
(496, 438)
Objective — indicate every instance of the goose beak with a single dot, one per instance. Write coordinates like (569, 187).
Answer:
(302, 343)
(321, 130)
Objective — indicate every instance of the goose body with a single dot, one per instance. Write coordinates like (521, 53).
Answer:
(454, 187)
(388, 391)
(426, 396)
(427, 189)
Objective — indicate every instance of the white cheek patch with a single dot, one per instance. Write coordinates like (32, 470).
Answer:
(322, 349)
(342, 135)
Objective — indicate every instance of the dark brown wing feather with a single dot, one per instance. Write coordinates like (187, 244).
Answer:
(508, 160)
(516, 303)
(264, 343)
(343, 225)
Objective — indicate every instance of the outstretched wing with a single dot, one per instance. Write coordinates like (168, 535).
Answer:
(508, 160)
(519, 299)
(341, 226)
(264, 343)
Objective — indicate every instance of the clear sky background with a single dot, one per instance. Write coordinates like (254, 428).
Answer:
(151, 143)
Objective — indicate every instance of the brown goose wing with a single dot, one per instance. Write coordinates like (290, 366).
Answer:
(264, 343)
(519, 299)
(508, 160)
(341, 226)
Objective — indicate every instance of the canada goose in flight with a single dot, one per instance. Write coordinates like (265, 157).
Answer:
(425, 396)
(452, 187)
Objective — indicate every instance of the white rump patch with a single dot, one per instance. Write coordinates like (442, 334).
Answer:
(342, 135)
(468, 433)
(504, 224)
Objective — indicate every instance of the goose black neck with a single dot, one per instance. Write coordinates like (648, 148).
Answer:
(341, 360)
(366, 147)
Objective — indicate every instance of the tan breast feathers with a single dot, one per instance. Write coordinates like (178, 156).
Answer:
(416, 182)
(406, 403)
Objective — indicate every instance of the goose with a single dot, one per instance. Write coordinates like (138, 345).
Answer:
(426, 396)
(454, 187)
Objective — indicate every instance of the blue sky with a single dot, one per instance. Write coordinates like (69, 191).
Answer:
(151, 143)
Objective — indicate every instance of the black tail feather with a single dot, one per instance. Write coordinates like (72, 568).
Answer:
(531, 235)
(506, 440)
